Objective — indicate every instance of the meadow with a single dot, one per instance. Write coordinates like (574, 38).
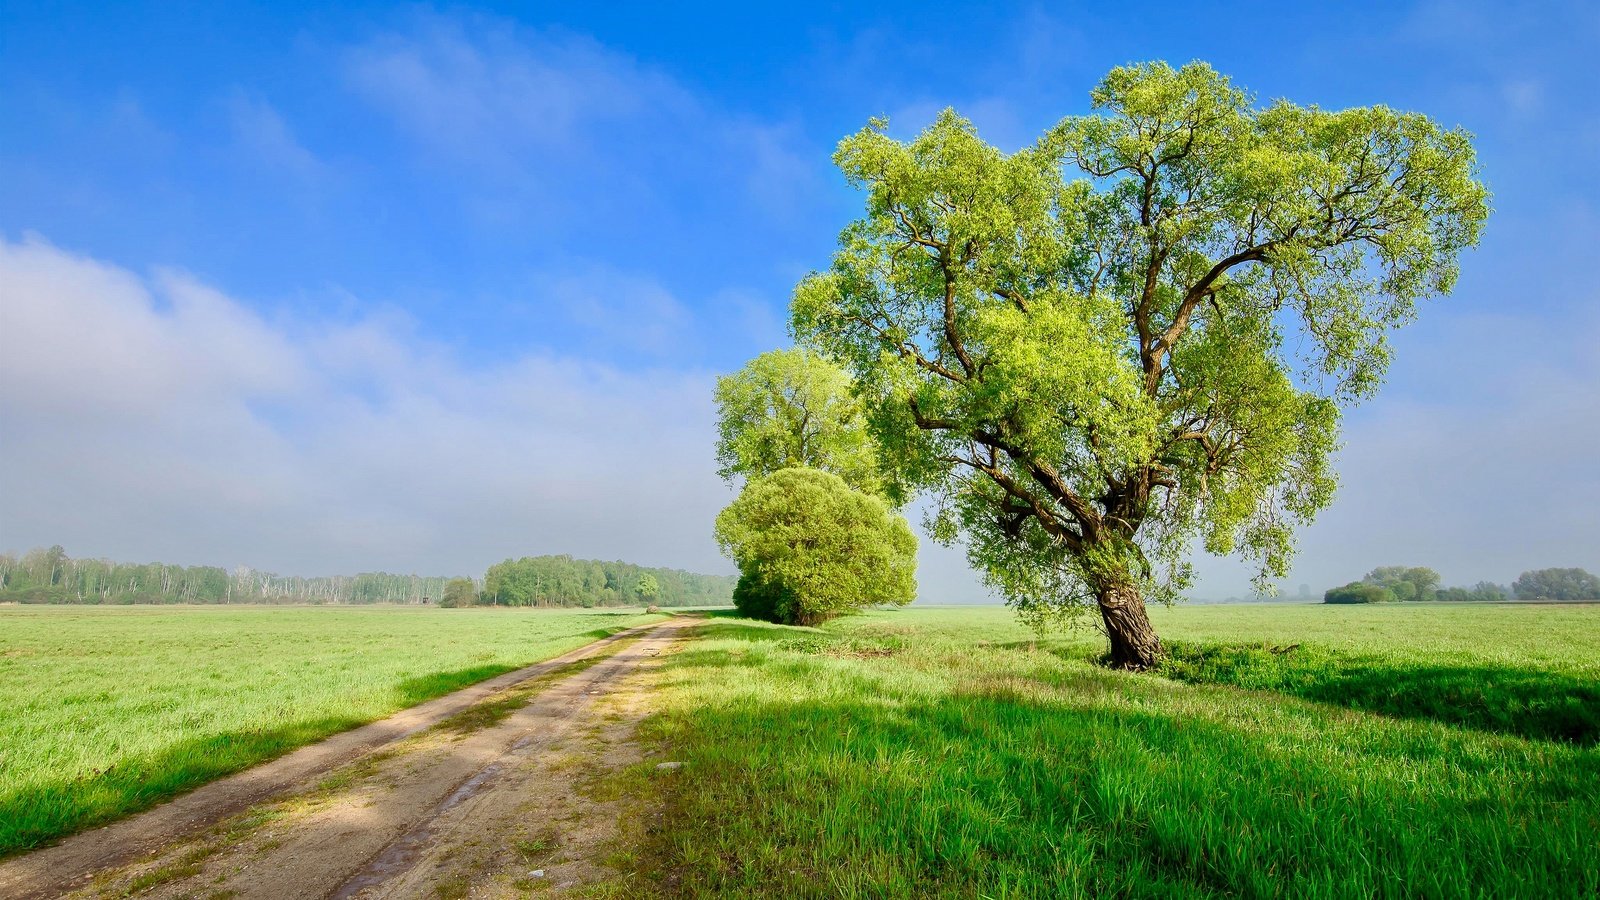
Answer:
(107, 710)
(1284, 751)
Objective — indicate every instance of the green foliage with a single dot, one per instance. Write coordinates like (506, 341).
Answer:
(50, 576)
(1414, 583)
(810, 547)
(1557, 584)
(459, 592)
(975, 760)
(1483, 591)
(1360, 592)
(1138, 332)
(790, 408)
(110, 710)
(769, 600)
(648, 588)
(564, 581)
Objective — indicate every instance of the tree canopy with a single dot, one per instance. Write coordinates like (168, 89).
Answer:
(809, 547)
(648, 588)
(1406, 582)
(789, 408)
(1557, 584)
(564, 581)
(459, 592)
(1137, 332)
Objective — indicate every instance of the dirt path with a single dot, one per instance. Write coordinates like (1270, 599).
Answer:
(471, 793)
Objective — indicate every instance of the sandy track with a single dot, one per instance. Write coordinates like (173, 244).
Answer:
(398, 819)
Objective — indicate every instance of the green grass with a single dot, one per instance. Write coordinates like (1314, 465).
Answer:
(104, 711)
(926, 753)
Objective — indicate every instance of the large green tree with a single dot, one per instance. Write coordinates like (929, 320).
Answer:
(789, 408)
(810, 547)
(1137, 332)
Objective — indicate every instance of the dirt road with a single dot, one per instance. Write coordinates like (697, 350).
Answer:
(478, 793)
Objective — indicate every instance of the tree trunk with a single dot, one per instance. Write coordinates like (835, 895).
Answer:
(1134, 645)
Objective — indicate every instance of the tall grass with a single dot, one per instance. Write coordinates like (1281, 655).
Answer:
(949, 753)
(104, 711)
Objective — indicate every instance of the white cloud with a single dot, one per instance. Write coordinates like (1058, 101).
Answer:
(156, 418)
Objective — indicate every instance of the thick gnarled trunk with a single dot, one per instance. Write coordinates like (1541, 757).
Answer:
(1134, 644)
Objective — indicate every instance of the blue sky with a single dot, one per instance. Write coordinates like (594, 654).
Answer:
(421, 287)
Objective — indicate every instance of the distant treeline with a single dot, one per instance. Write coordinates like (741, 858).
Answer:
(51, 576)
(564, 581)
(1387, 584)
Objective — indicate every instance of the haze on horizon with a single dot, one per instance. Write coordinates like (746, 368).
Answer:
(419, 290)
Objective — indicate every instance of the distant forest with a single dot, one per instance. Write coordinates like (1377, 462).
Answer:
(564, 581)
(51, 576)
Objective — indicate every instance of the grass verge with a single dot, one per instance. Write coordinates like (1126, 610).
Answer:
(950, 753)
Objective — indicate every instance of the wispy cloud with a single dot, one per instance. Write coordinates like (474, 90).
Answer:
(261, 133)
(569, 122)
(618, 310)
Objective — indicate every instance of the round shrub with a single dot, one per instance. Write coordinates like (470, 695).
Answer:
(809, 547)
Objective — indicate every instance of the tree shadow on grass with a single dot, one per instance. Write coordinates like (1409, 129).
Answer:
(1526, 702)
(1023, 788)
(34, 814)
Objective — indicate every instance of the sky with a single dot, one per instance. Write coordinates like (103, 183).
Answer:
(420, 288)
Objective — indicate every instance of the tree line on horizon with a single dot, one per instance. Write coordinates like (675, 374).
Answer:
(1389, 584)
(49, 575)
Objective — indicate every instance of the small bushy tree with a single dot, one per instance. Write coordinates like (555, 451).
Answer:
(648, 589)
(1359, 592)
(809, 547)
(459, 592)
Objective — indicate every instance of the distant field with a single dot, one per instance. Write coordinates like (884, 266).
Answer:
(107, 710)
(1417, 751)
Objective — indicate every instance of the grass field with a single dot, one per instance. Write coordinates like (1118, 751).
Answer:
(1415, 751)
(108, 710)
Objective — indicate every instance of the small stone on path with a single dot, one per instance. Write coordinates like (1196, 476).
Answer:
(669, 766)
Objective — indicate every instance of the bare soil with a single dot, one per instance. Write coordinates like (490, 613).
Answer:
(478, 794)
